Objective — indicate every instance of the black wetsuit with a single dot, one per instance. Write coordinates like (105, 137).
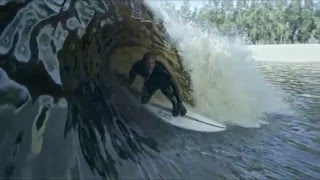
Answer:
(160, 78)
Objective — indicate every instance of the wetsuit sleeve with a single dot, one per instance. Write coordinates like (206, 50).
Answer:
(132, 73)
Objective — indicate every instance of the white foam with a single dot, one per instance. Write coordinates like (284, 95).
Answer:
(85, 15)
(52, 5)
(6, 83)
(22, 51)
(37, 134)
(62, 103)
(7, 36)
(23, 24)
(99, 6)
(4, 79)
(72, 23)
(106, 21)
(66, 5)
(37, 7)
(46, 55)
(3, 2)
(59, 1)
(59, 36)
(45, 100)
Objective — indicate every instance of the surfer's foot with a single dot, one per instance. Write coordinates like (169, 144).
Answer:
(183, 110)
(175, 111)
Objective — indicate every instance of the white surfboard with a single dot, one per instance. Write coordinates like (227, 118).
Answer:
(191, 120)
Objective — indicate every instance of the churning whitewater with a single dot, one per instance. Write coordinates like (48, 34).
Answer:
(226, 85)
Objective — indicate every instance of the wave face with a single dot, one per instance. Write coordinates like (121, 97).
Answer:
(227, 87)
(67, 55)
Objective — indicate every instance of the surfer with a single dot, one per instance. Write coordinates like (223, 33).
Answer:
(157, 77)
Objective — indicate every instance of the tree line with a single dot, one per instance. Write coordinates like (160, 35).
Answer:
(260, 21)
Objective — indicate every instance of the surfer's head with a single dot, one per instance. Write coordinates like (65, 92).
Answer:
(149, 61)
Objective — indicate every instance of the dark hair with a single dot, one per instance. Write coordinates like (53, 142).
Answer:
(147, 56)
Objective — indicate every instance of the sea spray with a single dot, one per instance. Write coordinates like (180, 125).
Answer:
(227, 86)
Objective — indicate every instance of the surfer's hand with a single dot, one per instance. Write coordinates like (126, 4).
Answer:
(183, 110)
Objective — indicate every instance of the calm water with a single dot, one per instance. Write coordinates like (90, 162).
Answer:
(288, 147)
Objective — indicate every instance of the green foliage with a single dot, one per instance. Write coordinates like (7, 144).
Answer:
(261, 21)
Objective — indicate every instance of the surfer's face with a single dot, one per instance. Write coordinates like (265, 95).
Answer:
(149, 64)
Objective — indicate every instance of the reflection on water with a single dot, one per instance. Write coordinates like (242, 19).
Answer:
(301, 81)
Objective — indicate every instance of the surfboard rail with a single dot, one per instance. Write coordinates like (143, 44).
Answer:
(191, 121)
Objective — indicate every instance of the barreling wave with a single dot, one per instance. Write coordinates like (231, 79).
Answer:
(226, 84)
